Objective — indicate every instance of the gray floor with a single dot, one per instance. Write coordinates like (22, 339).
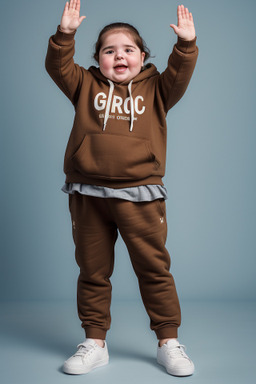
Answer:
(37, 337)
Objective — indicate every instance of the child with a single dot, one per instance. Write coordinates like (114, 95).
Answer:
(114, 164)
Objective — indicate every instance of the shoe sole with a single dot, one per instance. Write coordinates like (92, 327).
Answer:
(177, 372)
(82, 370)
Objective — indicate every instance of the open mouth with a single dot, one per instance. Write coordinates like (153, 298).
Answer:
(120, 67)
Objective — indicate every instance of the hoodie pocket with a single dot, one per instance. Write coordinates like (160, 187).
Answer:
(108, 156)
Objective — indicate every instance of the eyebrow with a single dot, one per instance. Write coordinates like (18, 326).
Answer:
(112, 46)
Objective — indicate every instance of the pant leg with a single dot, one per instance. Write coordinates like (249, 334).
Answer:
(94, 237)
(143, 228)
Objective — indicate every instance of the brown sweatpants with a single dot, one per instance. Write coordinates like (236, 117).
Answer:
(143, 228)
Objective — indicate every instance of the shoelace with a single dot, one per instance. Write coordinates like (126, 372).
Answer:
(178, 351)
(84, 349)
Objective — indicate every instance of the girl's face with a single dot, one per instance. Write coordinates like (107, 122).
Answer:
(120, 59)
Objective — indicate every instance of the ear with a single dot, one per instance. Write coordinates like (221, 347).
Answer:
(142, 58)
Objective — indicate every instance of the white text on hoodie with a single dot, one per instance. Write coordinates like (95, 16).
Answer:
(117, 102)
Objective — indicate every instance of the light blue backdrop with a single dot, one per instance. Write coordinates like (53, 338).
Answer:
(211, 151)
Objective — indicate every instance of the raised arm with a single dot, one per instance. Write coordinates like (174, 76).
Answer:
(174, 81)
(59, 60)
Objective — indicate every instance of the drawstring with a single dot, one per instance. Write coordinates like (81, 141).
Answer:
(110, 94)
(132, 105)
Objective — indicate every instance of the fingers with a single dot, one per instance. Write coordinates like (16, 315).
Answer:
(73, 4)
(183, 13)
(179, 14)
(78, 5)
(65, 8)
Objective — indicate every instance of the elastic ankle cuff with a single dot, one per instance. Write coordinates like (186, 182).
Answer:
(166, 333)
(95, 333)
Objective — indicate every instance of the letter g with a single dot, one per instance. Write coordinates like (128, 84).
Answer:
(100, 104)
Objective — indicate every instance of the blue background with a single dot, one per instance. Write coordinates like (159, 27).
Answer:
(210, 162)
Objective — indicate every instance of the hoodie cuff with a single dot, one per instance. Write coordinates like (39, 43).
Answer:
(62, 38)
(186, 46)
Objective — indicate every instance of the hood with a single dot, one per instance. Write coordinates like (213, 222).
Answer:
(148, 71)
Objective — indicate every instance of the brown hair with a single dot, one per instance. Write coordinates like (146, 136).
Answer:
(122, 26)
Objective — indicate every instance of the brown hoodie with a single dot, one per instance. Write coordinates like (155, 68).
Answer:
(119, 133)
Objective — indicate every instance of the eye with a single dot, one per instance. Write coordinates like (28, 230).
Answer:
(109, 52)
(129, 50)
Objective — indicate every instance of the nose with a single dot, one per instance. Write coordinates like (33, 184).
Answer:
(119, 55)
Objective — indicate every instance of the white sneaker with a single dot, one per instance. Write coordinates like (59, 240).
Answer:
(89, 356)
(173, 357)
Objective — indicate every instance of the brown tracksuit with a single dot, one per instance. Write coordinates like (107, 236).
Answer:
(119, 140)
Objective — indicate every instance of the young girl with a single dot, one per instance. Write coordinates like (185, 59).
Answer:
(114, 164)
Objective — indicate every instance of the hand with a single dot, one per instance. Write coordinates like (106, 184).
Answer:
(71, 20)
(185, 28)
